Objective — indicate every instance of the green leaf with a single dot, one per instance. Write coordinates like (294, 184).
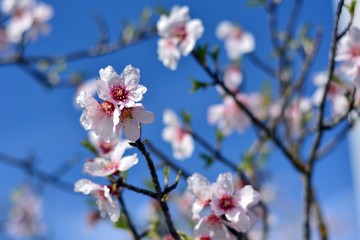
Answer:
(150, 184)
(201, 52)
(166, 171)
(209, 160)
(214, 54)
(351, 7)
(186, 117)
(219, 136)
(196, 85)
(89, 146)
(122, 222)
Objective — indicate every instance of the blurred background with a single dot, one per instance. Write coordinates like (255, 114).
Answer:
(43, 123)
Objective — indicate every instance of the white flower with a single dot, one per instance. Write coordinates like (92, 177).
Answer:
(181, 141)
(130, 118)
(336, 94)
(25, 214)
(104, 167)
(104, 148)
(233, 204)
(178, 35)
(102, 118)
(228, 116)
(237, 41)
(89, 87)
(26, 15)
(211, 227)
(298, 113)
(199, 187)
(120, 110)
(107, 203)
(121, 90)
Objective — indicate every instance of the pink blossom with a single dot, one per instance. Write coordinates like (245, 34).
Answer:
(104, 148)
(232, 78)
(228, 116)
(25, 214)
(181, 141)
(102, 167)
(26, 15)
(348, 52)
(199, 187)
(297, 114)
(237, 41)
(121, 90)
(178, 35)
(131, 118)
(120, 110)
(102, 118)
(234, 204)
(211, 227)
(336, 94)
(106, 202)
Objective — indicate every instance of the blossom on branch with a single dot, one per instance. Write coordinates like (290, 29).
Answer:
(178, 35)
(25, 214)
(121, 110)
(237, 41)
(228, 115)
(181, 141)
(26, 16)
(102, 166)
(348, 52)
(107, 202)
(229, 205)
(336, 93)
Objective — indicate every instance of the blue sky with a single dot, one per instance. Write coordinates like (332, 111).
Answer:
(36, 120)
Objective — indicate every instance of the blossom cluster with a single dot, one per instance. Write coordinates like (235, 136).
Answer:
(109, 161)
(120, 109)
(229, 206)
(181, 141)
(24, 16)
(25, 214)
(178, 35)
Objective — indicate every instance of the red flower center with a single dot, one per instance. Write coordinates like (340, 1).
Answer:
(226, 202)
(118, 93)
(107, 107)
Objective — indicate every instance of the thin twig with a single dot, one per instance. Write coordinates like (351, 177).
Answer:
(130, 223)
(163, 205)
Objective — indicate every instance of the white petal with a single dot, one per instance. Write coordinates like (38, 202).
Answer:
(127, 162)
(86, 186)
(248, 197)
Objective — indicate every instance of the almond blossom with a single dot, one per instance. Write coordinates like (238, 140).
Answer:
(104, 148)
(234, 204)
(211, 227)
(130, 118)
(336, 94)
(25, 214)
(178, 35)
(228, 116)
(199, 187)
(102, 167)
(120, 110)
(348, 52)
(102, 118)
(26, 15)
(229, 205)
(107, 203)
(237, 41)
(181, 141)
(297, 114)
(121, 90)
(232, 78)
